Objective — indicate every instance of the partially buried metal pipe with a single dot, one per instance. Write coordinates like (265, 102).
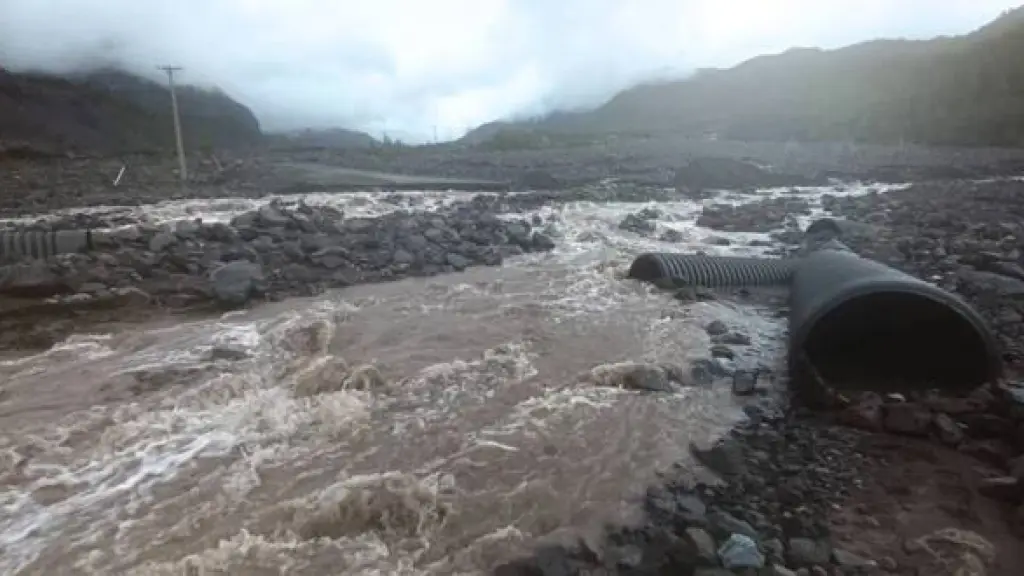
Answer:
(854, 322)
(863, 325)
(683, 270)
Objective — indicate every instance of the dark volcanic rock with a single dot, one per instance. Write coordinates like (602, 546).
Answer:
(279, 250)
(764, 216)
(538, 180)
(701, 175)
(771, 510)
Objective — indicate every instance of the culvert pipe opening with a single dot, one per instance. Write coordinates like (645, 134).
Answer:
(896, 340)
(863, 325)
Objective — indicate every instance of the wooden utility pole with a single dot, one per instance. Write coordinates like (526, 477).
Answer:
(183, 169)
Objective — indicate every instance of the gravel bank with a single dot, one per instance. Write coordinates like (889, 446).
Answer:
(799, 490)
(42, 185)
(874, 483)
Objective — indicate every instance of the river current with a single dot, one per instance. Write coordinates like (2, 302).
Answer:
(426, 426)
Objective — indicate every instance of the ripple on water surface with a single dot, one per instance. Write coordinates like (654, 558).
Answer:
(423, 426)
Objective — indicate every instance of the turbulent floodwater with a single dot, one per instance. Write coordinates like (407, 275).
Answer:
(230, 445)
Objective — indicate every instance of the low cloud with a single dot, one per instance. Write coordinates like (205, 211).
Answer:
(410, 67)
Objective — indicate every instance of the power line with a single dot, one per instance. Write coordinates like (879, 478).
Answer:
(177, 120)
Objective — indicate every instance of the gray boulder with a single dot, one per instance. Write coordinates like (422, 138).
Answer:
(235, 283)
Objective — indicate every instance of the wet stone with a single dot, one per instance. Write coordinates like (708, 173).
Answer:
(740, 552)
(706, 370)
(680, 509)
(948, 430)
(807, 552)
(725, 457)
(850, 560)
(703, 545)
(716, 328)
(671, 235)
(1003, 488)
(866, 415)
(733, 339)
(723, 524)
(744, 382)
(722, 351)
(692, 294)
(907, 418)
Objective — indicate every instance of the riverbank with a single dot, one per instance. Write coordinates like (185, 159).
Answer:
(801, 484)
(874, 484)
(47, 184)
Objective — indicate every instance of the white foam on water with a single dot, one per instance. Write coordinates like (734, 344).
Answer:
(238, 404)
(142, 444)
(355, 204)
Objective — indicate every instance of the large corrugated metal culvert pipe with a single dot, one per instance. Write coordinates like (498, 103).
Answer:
(710, 271)
(863, 325)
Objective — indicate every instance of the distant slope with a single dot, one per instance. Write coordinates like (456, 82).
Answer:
(111, 111)
(966, 90)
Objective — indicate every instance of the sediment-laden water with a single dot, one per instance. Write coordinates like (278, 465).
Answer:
(428, 426)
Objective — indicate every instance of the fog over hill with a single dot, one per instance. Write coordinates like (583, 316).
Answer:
(962, 90)
(414, 69)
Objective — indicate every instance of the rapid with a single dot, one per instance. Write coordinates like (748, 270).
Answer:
(426, 426)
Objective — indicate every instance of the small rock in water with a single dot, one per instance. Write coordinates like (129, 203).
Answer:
(365, 377)
(740, 551)
(671, 235)
(744, 382)
(706, 370)
(725, 457)
(692, 293)
(637, 224)
(329, 375)
(722, 351)
(716, 328)
(226, 353)
(542, 242)
(734, 339)
(632, 376)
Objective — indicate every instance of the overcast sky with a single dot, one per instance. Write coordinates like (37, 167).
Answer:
(406, 66)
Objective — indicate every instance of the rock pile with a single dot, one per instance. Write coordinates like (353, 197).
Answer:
(276, 251)
(987, 424)
(699, 176)
(764, 216)
(781, 478)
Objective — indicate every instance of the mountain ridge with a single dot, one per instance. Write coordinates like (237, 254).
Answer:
(948, 90)
(111, 111)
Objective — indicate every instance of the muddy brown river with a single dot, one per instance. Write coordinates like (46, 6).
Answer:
(236, 444)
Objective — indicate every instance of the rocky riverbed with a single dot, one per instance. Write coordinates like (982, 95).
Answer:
(276, 251)
(869, 483)
(794, 491)
(47, 184)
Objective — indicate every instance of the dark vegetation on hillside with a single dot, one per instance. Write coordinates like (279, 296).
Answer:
(115, 112)
(966, 90)
(325, 138)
